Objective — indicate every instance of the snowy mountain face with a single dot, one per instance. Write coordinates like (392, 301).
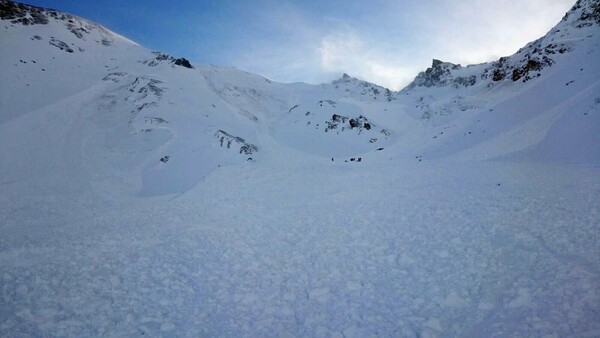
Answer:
(518, 88)
(143, 194)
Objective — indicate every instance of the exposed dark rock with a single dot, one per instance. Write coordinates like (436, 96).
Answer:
(77, 31)
(590, 13)
(533, 58)
(146, 91)
(155, 120)
(61, 45)
(227, 140)
(330, 102)
(465, 81)
(114, 77)
(389, 95)
(162, 57)
(183, 63)
(361, 123)
(440, 74)
(529, 67)
(248, 149)
(17, 13)
(145, 85)
(339, 118)
(498, 75)
(351, 84)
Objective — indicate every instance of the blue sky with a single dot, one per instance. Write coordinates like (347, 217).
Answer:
(382, 41)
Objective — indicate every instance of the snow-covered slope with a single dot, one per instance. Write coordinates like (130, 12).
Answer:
(141, 194)
(535, 104)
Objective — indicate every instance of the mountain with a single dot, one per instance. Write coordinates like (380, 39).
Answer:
(519, 88)
(144, 194)
(528, 63)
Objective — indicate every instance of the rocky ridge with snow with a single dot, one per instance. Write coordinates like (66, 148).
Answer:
(528, 63)
(353, 87)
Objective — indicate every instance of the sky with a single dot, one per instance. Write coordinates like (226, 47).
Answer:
(387, 42)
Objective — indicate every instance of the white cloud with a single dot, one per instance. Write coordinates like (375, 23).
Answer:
(341, 50)
(345, 51)
(393, 41)
(474, 31)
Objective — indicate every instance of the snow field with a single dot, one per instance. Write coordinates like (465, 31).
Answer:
(122, 213)
(440, 251)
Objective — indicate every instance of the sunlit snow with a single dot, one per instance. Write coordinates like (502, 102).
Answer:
(141, 197)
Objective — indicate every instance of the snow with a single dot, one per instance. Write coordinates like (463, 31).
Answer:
(122, 213)
(245, 257)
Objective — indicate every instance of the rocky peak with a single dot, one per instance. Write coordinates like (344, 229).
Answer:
(353, 85)
(162, 57)
(440, 74)
(27, 15)
(18, 13)
(528, 63)
(436, 63)
(585, 13)
(344, 79)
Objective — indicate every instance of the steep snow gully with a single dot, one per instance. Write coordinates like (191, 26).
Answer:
(141, 194)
